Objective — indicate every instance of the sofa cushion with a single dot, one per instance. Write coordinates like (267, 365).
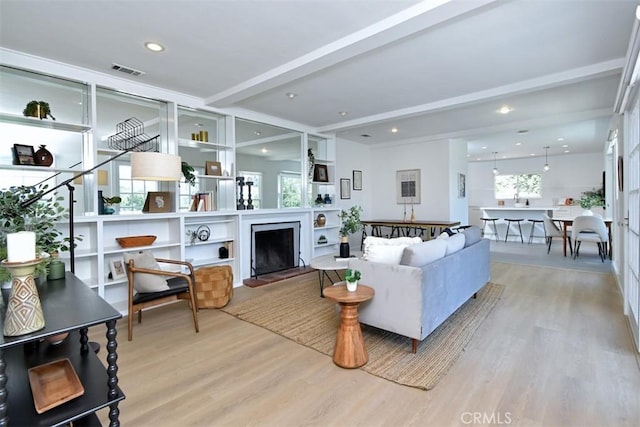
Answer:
(424, 253)
(454, 243)
(384, 248)
(143, 282)
(472, 235)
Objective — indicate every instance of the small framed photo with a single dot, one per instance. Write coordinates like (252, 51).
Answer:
(23, 154)
(357, 180)
(345, 188)
(157, 201)
(320, 173)
(213, 168)
(116, 268)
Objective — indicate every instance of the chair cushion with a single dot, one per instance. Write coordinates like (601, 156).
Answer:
(144, 282)
(175, 285)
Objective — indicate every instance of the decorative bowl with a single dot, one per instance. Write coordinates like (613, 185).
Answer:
(133, 241)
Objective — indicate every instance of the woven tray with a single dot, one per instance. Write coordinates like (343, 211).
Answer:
(133, 241)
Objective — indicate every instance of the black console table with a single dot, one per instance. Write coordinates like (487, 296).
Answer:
(68, 306)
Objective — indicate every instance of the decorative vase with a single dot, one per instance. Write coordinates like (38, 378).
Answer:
(24, 310)
(587, 212)
(223, 253)
(327, 199)
(43, 157)
(321, 220)
(56, 270)
(352, 286)
(344, 247)
(319, 200)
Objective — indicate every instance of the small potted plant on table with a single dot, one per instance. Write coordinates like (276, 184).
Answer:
(352, 277)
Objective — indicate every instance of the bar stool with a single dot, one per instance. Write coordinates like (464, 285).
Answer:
(532, 234)
(495, 226)
(509, 222)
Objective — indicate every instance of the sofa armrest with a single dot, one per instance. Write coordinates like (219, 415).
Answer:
(397, 304)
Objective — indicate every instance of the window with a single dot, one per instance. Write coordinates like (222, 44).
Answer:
(256, 188)
(132, 192)
(289, 185)
(187, 191)
(526, 185)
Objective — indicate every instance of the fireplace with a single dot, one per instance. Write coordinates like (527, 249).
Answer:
(274, 247)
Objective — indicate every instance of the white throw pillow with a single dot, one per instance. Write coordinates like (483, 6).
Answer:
(454, 243)
(386, 254)
(371, 241)
(143, 282)
(424, 253)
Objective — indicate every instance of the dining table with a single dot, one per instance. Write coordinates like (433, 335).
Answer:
(400, 228)
(568, 222)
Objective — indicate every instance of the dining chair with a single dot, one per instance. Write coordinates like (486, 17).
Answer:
(590, 228)
(551, 230)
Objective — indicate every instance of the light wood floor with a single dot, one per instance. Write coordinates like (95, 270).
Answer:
(555, 351)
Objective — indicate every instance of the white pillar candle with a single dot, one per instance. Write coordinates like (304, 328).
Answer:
(21, 246)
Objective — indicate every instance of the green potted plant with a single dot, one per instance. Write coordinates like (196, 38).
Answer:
(349, 224)
(352, 277)
(39, 217)
(590, 199)
(109, 202)
(39, 109)
(188, 173)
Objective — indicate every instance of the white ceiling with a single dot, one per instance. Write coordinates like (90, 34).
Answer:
(433, 69)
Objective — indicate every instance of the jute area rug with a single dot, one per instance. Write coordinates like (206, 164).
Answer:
(294, 309)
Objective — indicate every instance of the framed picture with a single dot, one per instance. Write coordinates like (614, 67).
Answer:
(23, 154)
(116, 268)
(157, 201)
(320, 173)
(462, 186)
(408, 186)
(357, 180)
(345, 188)
(213, 168)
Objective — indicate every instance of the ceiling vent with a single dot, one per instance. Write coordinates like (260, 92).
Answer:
(127, 70)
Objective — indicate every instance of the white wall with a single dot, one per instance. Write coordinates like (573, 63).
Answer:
(569, 176)
(439, 163)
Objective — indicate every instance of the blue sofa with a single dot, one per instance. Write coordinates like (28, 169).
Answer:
(415, 297)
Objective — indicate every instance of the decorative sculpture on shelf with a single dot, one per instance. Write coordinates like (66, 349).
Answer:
(249, 200)
(240, 205)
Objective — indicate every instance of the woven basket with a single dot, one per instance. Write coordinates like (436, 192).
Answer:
(214, 286)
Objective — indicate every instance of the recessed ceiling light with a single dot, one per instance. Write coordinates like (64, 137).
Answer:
(343, 113)
(523, 131)
(394, 130)
(364, 135)
(532, 154)
(257, 132)
(565, 145)
(567, 151)
(156, 47)
(518, 143)
(560, 139)
(291, 95)
(264, 150)
(484, 148)
(505, 109)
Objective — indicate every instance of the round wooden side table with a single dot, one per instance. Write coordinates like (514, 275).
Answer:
(350, 350)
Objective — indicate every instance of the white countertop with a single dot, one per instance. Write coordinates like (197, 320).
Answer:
(524, 208)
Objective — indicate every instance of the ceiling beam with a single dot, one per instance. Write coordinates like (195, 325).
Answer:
(419, 17)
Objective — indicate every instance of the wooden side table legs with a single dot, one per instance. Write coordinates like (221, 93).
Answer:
(350, 350)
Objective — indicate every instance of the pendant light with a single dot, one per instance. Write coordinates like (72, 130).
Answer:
(546, 159)
(495, 168)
